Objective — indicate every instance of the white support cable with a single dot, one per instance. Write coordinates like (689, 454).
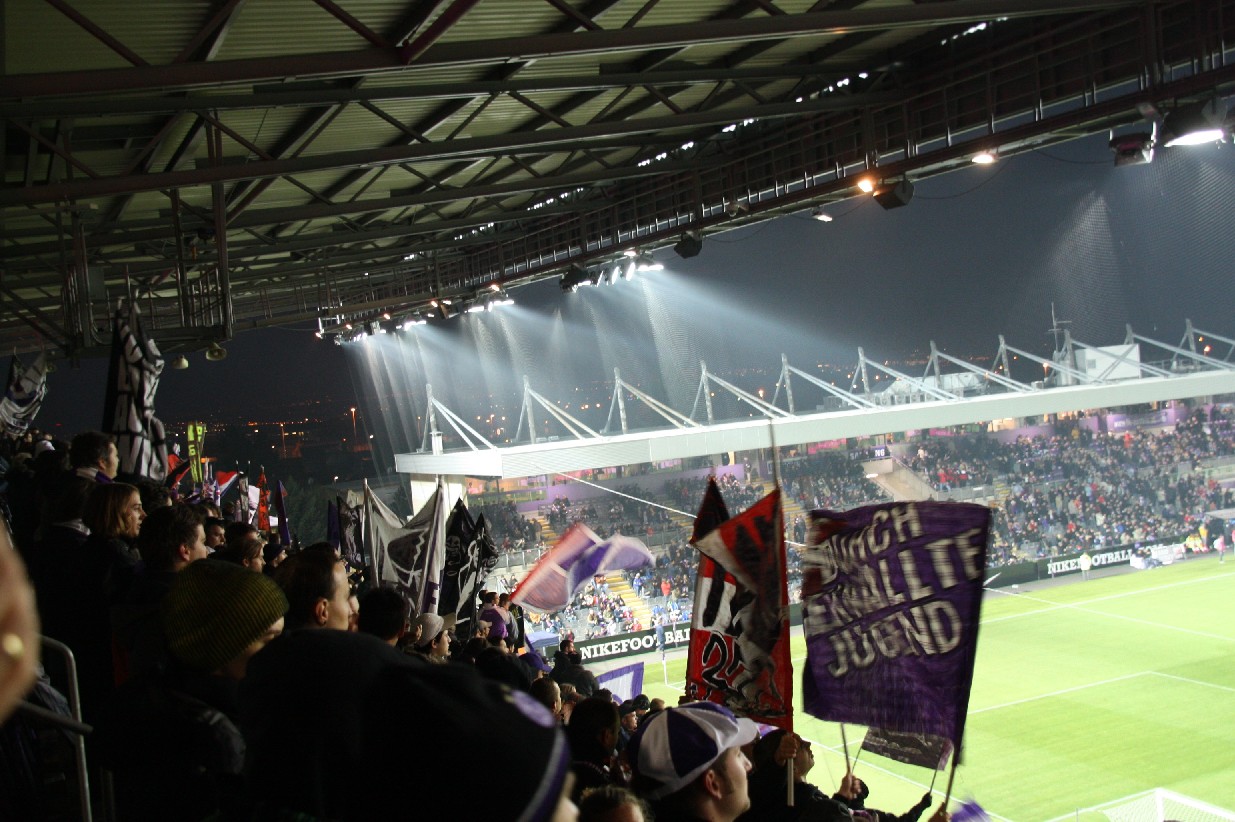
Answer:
(937, 393)
(840, 393)
(676, 418)
(1217, 337)
(749, 399)
(1221, 365)
(1007, 382)
(1080, 375)
(458, 423)
(564, 418)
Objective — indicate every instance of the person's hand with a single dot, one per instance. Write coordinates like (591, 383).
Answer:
(941, 814)
(19, 628)
(850, 786)
(786, 750)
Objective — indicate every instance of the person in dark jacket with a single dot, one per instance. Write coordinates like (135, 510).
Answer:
(567, 669)
(171, 737)
(593, 735)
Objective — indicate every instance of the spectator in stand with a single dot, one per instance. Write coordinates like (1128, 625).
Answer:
(93, 456)
(170, 540)
(216, 532)
(247, 551)
(386, 614)
(169, 737)
(315, 582)
(688, 763)
(434, 642)
(568, 669)
(613, 804)
(593, 735)
(548, 693)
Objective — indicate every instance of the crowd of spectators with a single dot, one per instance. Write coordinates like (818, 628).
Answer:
(226, 679)
(1077, 490)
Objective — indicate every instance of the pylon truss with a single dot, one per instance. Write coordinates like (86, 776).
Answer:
(952, 391)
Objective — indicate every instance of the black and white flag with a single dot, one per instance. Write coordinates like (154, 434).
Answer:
(470, 556)
(408, 556)
(128, 412)
(23, 395)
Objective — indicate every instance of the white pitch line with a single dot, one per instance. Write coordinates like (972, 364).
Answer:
(1138, 620)
(1055, 606)
(1058, 693)
(1194, 681)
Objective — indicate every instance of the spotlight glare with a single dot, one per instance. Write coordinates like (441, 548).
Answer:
(984, 158)
(866, 185)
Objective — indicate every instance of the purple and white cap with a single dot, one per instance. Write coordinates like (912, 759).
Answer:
(674, 746)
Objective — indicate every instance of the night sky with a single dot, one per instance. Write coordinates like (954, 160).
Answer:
(977, 253)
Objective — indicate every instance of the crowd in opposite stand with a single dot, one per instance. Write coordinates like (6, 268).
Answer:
(1065, 493)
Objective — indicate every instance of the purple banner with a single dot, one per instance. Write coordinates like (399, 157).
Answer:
(891, 598)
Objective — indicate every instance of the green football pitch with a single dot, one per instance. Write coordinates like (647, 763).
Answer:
(1084, 693)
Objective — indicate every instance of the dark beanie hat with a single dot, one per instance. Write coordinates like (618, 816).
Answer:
(214, 610)
(426, 721)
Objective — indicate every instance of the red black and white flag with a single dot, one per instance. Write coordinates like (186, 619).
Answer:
(739, 639)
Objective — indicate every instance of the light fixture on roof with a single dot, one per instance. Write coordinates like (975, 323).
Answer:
(866, 185)
(180, 363)
(1133, 148)
(690, 245)
(894, 195)
(1195, 123)
(630, 252)
(216, 352)
(476, 307)
(500, 297)
(984, 157)
(575, 278)
(645, 262)
(821, 215)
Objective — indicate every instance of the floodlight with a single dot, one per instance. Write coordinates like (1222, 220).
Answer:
(574, 278)
(894, 195)
(1194, 124)
(645, 262)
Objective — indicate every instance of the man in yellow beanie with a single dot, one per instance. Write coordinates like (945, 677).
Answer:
(170, 737)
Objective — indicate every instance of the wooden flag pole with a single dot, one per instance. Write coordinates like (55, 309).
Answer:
(789, 790)
(845, 746)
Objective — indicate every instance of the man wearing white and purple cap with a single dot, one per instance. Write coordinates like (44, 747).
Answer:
(688, 763)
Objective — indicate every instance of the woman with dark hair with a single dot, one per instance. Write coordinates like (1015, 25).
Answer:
(248, 550)
(114, 514)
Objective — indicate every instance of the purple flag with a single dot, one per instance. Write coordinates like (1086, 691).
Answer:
(891, 598)
(624, 683)
(568, 567)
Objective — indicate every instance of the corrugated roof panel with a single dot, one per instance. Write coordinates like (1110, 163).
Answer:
(39, 38)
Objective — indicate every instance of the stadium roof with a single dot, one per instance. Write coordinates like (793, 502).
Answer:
(233, 164)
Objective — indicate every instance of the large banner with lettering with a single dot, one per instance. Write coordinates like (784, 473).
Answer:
(739, 644)
(892, 595)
